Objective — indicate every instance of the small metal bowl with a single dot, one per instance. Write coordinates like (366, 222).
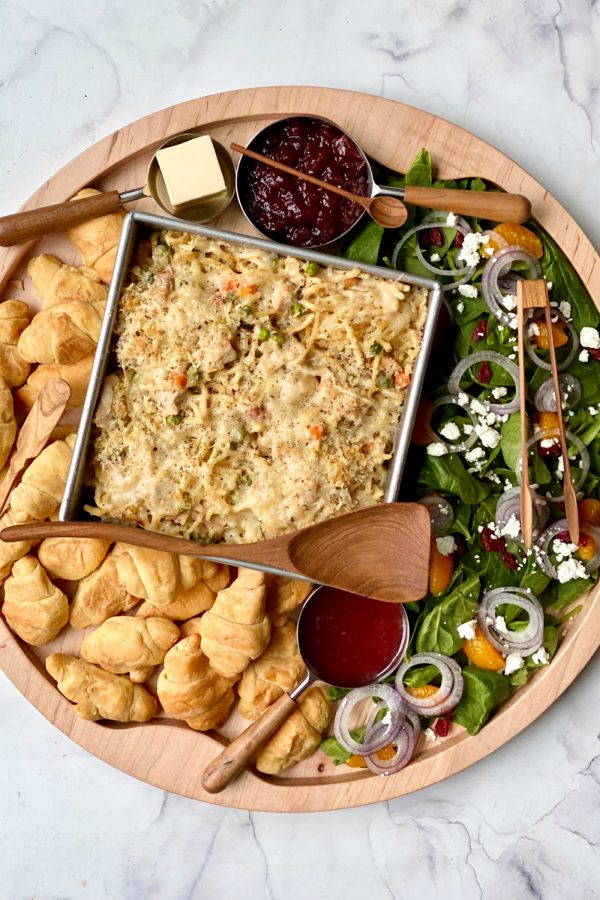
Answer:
(203, 210)
(255, 144)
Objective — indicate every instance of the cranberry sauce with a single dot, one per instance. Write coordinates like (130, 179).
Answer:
(349, 640)
(291, 210)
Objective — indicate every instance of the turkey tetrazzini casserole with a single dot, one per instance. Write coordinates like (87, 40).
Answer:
(255, 394)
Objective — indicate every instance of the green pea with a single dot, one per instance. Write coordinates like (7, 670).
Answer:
(375, 349)
(312, 268)
(263, 334)
(298, 309)
(278, 338)
(246, 310)
(150, 278)
(384, 382)
(246, 479)
(174, 420)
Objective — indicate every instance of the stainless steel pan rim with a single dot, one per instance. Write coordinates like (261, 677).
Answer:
(70, 505)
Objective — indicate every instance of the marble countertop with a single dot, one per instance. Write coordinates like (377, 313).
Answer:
(522, 823)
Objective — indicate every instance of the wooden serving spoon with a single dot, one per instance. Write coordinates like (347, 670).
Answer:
(390, 211)
(381, 551)
(35, 432)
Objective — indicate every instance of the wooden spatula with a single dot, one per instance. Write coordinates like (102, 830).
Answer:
(533, 294)
(43, 416)
(380, 552)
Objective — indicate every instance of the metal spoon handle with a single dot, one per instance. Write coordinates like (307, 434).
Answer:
(34, 223)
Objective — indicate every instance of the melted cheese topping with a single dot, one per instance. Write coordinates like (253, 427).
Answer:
(253, 397)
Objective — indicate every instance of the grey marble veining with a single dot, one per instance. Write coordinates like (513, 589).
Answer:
(524, 822)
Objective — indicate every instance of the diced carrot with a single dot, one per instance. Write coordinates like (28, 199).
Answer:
(179, 379)
(480, 652)
(350, 282)
(230, 285)
(441, 569)
(367, 448)
(316, 432)
(247, 290)
(401, 380)
(589, 511)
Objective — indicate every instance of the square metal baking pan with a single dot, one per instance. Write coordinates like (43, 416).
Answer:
(135, 222)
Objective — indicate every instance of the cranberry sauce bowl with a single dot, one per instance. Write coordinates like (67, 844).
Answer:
(290, 210)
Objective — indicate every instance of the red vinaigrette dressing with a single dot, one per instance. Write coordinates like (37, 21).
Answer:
(349, 640)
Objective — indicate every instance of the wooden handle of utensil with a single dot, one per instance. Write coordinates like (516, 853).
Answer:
(494, 205)
(222, 770)
(259, 157)
(34, 223)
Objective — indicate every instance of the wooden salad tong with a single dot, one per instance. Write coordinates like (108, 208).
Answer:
(381, 551)
(533, 294)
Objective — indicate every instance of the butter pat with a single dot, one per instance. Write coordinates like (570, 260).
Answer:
(191, 171)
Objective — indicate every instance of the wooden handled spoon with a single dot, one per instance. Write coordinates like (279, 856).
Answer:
(43, 416)
(389, 211)
(380, 552)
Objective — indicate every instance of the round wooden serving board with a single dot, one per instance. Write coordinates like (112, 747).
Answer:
(168, 754)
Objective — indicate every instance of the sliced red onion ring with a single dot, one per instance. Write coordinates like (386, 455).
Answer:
(440, 513)
(447, 695)
(468, 270)
(488, 356)
(499, 265)
(570, 393)
(578, 473)
(566, 362)
(406, 744)
(543, 546)
(377, 734)
(509, 504)
(452, 446)
(523, 642)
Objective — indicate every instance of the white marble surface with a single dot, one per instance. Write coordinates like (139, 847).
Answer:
(523, 823)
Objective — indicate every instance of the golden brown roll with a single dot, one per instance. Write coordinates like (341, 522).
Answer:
(298, 737)
(34, 608)
(14, 319)
(97, 239)
(126, 645)
(98, 694)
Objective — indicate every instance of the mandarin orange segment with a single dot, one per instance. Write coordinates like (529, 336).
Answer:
(421, 691)
(441, 569)
(547, 420)
(386, 753)
(356, 762)
(558, 332)
(496, 242)
(519, 236)
(589, 511)
(480, 652)
(587, 548)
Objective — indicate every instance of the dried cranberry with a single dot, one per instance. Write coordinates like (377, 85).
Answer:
(551, 452)
(492, 541)
(458, 240)
(433, 237)
(479, 333)
(595, 353)
(460, 545)
(510, 560)
(484, 373)
(442, 726)
(583, 540)
(564, 536)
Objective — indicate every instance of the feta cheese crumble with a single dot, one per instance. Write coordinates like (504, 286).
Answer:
(470, 250)
(512, 527)
(474, 454)
(430, 736)
(533, 329)
(460, 307)
(509, 301)
(584, 356)
(499, 392)
(437, 449)
(435, 257)
(514, 662)
(467, 290)
(589, 337)
(467, 630)
(446, 544)
(540, 657)
(451, 220)
(500, 625)
(570, 569)
(565, 308)
(489, 437)
(450, 431)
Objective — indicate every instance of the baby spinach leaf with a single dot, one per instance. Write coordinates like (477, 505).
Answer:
(438, 633)
(364, 246)
(484, 692)
(566, 284)
(570, 591)
(335, 693)
(420, 171)
(447, 473)
(332, 748)
(418, 677)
